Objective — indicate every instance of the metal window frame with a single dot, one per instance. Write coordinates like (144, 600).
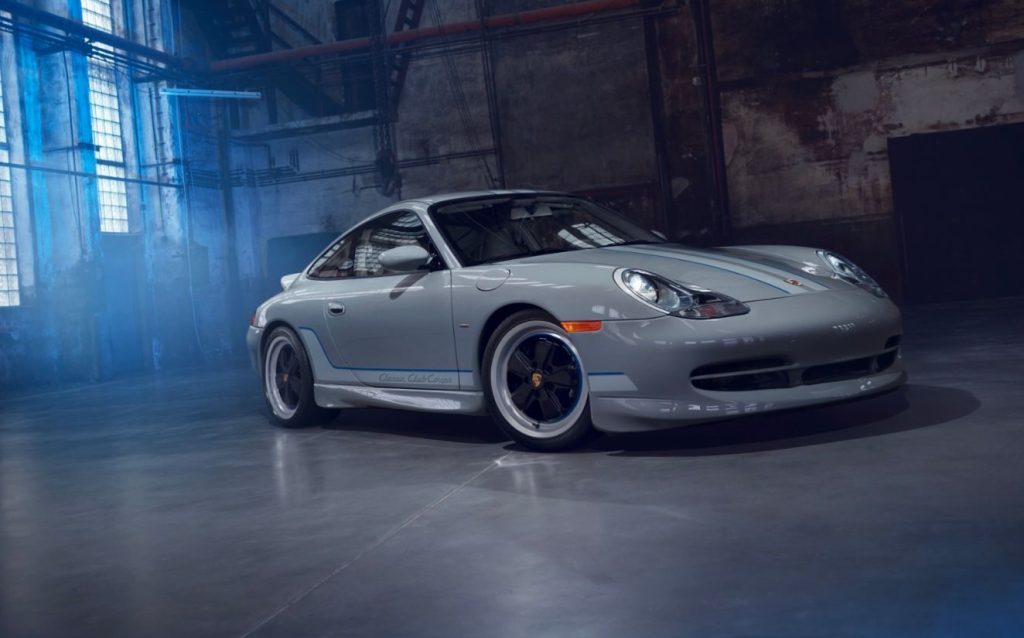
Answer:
(10, 282)
(107, 126)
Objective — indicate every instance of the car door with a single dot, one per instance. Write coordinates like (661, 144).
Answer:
(390, 329)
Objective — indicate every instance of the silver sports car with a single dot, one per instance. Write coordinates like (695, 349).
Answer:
(559, 316)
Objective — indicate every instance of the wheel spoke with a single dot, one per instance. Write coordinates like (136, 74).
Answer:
(521, 394)
(543, 352)
(563, 377)
(531, 399)
(294, 386)
(556, 402)
(283, 358)
(293, 365)
(520, 365)
(550, 406)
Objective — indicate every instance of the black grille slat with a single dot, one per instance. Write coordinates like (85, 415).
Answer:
(740, 382)
(838, 371)
(746, 365)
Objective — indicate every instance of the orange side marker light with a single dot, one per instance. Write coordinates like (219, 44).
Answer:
(581, 326)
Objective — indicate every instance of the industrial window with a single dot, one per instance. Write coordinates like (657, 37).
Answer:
(9, 292)
(105, 109)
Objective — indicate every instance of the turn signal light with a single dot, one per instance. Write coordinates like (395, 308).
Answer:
(581, 326)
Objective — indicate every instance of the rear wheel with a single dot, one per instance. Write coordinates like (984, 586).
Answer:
(535, 383)
(288, 381)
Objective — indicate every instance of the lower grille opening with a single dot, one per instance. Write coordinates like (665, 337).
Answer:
(740, 382)
(745, 365)
(893, 341)
(886, 360)
(838, 371)
(756, 374)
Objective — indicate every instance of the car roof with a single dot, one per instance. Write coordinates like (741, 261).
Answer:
(443, 198)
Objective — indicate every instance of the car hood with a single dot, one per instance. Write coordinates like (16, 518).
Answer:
(743, 274)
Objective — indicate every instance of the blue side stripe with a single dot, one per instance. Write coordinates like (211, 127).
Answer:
(337, 367)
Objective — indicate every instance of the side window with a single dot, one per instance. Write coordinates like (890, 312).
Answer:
(336, 262)
(358, 253)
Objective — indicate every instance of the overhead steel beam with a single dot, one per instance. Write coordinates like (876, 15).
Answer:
(88, 34)
(550, 14)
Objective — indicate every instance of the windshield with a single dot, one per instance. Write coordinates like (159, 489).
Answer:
(496, 229)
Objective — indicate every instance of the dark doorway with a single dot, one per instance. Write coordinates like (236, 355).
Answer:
(121, 333)
(959, 199)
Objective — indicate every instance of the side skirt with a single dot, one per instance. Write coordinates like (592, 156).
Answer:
(361, 396)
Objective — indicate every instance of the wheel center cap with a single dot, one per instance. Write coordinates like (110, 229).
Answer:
(286, 377)
(536, 379)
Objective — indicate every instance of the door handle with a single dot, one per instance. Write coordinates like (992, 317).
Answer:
(335, 309)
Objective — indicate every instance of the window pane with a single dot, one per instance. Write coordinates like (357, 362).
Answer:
(390, 231)
(8, 249)
(105, 111)
(335, 263)
(113, 199)
(358, 255)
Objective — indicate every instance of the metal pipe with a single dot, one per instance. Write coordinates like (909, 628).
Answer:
(453, 28)
(656, 99)
(722, 223)
(74, 173)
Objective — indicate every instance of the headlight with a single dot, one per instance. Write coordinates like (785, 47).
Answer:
(843, 268)
(682, 300)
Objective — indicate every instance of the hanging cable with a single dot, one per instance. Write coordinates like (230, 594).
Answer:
(73, 152)
(459, 96)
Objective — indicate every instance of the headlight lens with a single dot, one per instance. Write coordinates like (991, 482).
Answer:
(642, 286)
(843, 268)
(682, 300)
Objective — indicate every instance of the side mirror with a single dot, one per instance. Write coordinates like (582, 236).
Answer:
(404, 258)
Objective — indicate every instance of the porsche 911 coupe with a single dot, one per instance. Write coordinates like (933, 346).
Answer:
(560, 317)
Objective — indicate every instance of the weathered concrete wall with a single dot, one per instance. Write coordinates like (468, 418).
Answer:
(94, 304)
(572, 109)
(812, 91)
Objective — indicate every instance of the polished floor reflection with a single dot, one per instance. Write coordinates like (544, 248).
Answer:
(167, 506)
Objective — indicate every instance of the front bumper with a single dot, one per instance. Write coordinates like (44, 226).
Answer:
(640, 372)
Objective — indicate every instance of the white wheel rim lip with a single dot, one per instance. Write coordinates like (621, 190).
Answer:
(503, 397)
(277, 402)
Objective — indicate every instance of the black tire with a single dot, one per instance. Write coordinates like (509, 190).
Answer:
(572, 425)
(291, 403)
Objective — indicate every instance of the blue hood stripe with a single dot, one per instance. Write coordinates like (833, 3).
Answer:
(755, 272)
(706, 265)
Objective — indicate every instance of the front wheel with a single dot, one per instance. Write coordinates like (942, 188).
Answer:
(535, 383)
(288, 381)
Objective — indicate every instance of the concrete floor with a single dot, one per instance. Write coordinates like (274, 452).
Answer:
(167, 505)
